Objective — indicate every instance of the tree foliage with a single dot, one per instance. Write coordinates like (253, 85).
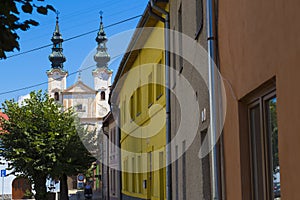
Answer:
(40, 139)
(10, 21)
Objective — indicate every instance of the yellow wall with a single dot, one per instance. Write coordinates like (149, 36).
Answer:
(143, 129)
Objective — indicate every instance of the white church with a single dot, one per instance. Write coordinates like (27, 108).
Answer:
(91, 104)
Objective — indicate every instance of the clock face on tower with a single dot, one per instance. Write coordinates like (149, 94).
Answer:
(102, 75)
(57, 76)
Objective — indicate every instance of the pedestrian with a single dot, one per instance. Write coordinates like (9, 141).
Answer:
(88, 191)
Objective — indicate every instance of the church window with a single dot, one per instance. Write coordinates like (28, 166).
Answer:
(79, 108)
(102, 95)
(56, 96)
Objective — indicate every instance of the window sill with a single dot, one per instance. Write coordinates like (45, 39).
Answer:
(150, 104)
(158, 97)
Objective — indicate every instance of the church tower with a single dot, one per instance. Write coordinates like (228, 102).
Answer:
(57, 75)
(102, 74)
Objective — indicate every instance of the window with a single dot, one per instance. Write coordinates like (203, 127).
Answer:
(133, 176)
(113, 182)
(180, 38)
(114, 139)
(263, 136)
(126, 179)
(150, 89)
(79, 108)
(140, 177)
(132, 108)
(139, 101)
(159, 80)
(205, 162)
(199, 17)
(183, 171)
(56, 96)
(124, 111)
(111, 139)
(176, 173)
(102, 95)
(161, 176)
(174, 56)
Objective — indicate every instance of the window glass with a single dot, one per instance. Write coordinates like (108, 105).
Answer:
(256, 144)
(150, 89)
(139, 101)
(273, 135)
(159, 80)
(263, 130)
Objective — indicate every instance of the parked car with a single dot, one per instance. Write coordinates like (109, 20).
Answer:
(276, 189)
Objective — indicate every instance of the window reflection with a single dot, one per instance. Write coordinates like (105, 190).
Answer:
(273, 133)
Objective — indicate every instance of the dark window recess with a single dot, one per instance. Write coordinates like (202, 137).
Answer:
(183, 171)
(199, 18)
(56, 96)
(176, 173)
(206, 186)
(102, 95)
(180, 39)
(79, 108)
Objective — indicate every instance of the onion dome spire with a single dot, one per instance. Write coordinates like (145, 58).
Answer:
(56, 57)
(101, 57)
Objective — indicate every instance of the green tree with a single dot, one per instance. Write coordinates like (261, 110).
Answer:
(10, 21)
(75, 158)
(40, 139)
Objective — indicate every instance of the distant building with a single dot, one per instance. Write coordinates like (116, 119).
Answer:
(8, 179)
(91, 104)
(111, 176)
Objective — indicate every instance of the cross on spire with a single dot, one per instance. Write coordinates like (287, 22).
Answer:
(101, 13)
(57, 15)
(79, 75)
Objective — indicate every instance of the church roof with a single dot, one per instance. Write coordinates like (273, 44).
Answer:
(79, 87)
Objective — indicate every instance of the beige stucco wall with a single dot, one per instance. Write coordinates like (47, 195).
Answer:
(197, 184)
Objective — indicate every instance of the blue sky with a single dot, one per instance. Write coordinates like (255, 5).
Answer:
(76, 17)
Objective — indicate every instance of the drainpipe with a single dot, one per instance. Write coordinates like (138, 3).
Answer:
(212, 97)
(168, 107)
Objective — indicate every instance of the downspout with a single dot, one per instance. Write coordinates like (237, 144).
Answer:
(119, 155)
(212, 97)
(107, 167)
(102, 166)
(166, 22)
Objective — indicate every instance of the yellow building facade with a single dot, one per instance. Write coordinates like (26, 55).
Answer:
(141, 97)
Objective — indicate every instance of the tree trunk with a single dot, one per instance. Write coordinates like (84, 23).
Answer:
(40, 187)
(64, 187)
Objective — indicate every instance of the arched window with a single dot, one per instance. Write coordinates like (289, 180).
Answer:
(56, 96)
(102, 95)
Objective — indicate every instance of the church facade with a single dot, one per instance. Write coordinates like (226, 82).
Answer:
(91, 104)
